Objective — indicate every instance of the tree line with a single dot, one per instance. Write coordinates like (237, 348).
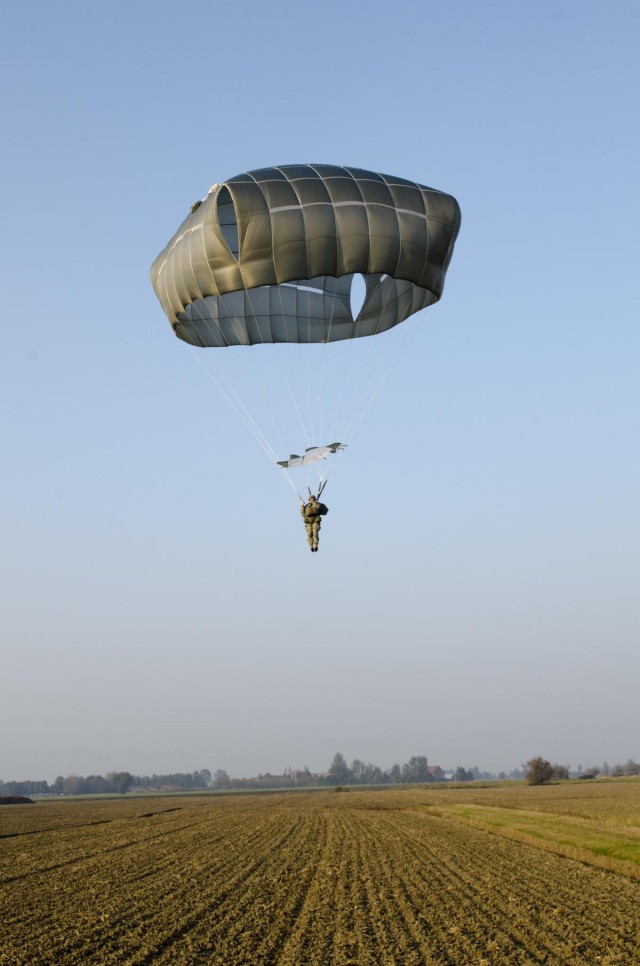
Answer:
(539, 771)
(416, 770)
(113, 783)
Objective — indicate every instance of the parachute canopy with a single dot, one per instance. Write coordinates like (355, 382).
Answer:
(269, 256)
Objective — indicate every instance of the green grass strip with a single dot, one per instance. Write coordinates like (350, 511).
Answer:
(616, 849)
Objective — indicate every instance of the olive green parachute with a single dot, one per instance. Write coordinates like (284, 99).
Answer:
(301, 261)
(269, 256)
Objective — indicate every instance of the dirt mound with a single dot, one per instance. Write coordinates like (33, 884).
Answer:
(16, 800)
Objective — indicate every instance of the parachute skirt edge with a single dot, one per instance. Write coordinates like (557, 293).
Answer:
(293, 313)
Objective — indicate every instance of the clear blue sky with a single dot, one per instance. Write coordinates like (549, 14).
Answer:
(475, 597)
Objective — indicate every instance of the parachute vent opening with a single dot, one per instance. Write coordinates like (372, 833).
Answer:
(228, 221)
(358, 295)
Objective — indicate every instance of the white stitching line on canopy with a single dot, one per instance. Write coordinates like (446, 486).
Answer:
(346, 204)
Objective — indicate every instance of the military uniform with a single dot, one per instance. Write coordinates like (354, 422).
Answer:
(312, 512)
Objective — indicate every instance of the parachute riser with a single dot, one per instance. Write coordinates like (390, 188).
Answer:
(320, 490)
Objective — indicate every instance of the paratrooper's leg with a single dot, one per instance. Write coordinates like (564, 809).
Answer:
(309, 528)
(316, 532)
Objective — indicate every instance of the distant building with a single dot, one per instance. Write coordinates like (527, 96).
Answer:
(436, 774)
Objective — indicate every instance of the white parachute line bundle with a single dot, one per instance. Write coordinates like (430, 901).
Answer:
(247, 394)
(236, 403)
(294, 402)
(255, 388)
(362, 402)
(323, 480)
(291, 483)
(344, 364)
(390, 361)
(314, 477)
(353, 372)
(324, 359)
(297, 387)
(287, 368)
(219, 373)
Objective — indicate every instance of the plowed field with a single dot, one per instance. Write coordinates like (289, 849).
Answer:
(314, 878)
